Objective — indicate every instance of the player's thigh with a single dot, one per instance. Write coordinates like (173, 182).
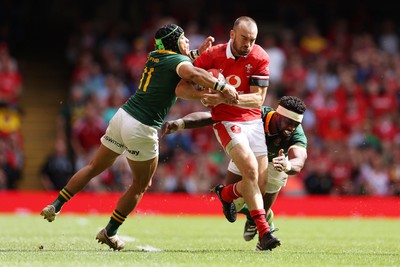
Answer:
(143, 171)
(245, 160)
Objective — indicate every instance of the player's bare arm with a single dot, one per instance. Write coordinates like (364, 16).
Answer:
(189, 90)
(297, 156)
(200, 76)
(190, 121)
(255, 99)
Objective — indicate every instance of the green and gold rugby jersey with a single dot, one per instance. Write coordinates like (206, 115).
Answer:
(155, 94)
(276, 142)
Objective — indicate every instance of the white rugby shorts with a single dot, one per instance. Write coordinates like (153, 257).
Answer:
(127, 135)
(250, 133)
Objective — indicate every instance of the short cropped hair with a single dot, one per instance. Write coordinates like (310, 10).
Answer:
(293, 103)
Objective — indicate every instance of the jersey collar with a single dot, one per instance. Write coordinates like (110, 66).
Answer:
(166, 52)
(267, 120)
(229, 53)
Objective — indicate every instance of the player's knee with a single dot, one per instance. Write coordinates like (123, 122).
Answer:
(250, 174)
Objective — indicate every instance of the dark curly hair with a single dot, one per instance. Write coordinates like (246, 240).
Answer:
(167, 38)
(293, 103)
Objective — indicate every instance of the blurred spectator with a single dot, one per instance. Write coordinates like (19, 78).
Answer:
(184, 174)
(294, 77)
(277, 64)
(114, 41)
(6, 58)
(340, 40)
(58, 167)
(86, 134)
(83, 38)
(342, 170)
(312, 43)
(194, 33)
(10, 164)
(318, 181)
(374, 175)
(388, 38)
(380, 100)
(10, 78)
(134, 61)
(321, 73)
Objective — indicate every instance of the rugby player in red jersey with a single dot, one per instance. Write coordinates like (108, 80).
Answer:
(244, 65)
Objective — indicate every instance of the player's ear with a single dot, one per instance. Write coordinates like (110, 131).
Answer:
(232, 34)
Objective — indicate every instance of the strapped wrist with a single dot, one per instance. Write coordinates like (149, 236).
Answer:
(181, 124)
(219, 86)
(193, 54)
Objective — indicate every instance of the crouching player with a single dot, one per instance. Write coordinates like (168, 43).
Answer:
(287, 151)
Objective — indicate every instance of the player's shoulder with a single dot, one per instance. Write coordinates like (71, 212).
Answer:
(165, 54)
(217, 49)
(299, 137)
(259, 53)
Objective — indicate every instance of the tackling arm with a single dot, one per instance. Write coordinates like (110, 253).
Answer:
(200, 76)
(254, 99)
(190, 121)
(297, 156)
(188, 90)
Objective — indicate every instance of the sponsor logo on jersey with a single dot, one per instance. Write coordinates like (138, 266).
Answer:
(233, 80)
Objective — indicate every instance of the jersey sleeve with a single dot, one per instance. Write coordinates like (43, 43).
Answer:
(260, 76)
(299, 137)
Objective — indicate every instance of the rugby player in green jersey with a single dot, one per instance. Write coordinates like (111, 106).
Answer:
(133, 130)
(286, 141)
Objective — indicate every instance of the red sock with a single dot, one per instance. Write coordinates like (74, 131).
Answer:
(261, 221)
(229, 193)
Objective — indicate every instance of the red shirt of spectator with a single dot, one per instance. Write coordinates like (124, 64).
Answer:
(10, 84)
(380, 100)
(385, 128)
(88, 130)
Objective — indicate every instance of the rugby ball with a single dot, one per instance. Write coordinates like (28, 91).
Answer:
(217, 74)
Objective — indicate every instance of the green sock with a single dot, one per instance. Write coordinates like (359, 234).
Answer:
(63, 197)
(115, 222)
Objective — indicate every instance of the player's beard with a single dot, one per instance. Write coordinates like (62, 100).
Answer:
(241, 52)
(284, 133)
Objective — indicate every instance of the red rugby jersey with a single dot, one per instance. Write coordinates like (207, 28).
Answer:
(237, 73)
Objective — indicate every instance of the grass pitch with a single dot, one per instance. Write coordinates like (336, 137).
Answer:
(28, 240)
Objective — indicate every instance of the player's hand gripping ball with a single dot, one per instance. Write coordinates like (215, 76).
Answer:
(217, 74)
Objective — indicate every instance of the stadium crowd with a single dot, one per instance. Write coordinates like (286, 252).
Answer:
(11, 140)
(348, 76)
